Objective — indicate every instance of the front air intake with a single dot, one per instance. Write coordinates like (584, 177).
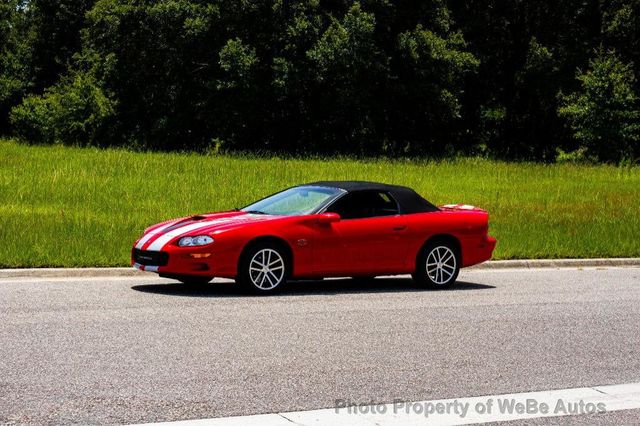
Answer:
(150, 258)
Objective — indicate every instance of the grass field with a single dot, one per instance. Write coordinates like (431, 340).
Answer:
(83, 207)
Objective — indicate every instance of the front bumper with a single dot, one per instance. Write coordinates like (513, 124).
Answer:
(219, 259)
(177, 262)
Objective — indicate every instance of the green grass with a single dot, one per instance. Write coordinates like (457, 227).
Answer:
(84, 207)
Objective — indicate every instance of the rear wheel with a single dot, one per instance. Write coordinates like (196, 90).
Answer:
(264, 268)
(438, 265)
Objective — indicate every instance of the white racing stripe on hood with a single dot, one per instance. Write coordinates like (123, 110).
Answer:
(164, 239)
(150, 234)
(160, 242)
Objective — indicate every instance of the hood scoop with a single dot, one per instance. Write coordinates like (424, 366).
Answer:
(184, 222)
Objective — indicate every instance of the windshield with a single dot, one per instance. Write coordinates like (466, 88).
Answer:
(295, 201)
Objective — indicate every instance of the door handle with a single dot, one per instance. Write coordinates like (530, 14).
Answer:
(400, 228)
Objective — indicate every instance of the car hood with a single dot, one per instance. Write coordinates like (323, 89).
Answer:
(155, 237)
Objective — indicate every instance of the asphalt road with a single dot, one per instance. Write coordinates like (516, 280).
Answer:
(127, 350)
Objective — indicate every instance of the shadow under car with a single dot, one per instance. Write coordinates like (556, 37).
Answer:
(304, 287)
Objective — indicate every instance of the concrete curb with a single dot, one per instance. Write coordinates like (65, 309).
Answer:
(492, 265)
(70, 272)
(559, 263)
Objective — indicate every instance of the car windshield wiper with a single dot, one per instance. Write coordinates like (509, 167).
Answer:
(255, 212)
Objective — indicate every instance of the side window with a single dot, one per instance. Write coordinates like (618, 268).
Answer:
(363, 204)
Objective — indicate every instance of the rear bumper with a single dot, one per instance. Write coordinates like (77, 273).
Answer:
(481, 252)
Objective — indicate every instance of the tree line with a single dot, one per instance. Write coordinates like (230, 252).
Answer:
(514, 79)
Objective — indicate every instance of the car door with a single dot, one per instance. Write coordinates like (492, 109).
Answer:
(367, 240)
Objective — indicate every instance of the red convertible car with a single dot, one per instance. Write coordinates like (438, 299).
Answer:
(321, 229)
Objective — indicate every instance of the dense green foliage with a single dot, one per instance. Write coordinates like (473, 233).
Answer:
(604, 113)
(85, 207)
(511, 79)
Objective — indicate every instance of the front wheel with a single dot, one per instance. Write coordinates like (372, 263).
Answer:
(263, 268)
(438, 265)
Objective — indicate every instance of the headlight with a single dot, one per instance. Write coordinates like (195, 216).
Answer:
(200, 240)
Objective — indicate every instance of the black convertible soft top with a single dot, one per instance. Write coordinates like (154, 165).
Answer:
(408, 199)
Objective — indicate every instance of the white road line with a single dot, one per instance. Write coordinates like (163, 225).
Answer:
(560, 402)
(147, 277)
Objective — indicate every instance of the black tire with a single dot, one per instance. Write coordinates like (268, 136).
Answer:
(442, 257)
(264, 255)
(194, 280)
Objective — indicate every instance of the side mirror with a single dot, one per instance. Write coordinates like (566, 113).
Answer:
(326, 218)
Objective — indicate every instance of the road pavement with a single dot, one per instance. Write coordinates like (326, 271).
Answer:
(144, 349)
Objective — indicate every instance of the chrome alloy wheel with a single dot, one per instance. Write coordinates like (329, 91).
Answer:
(266, 269)
(441, 265)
